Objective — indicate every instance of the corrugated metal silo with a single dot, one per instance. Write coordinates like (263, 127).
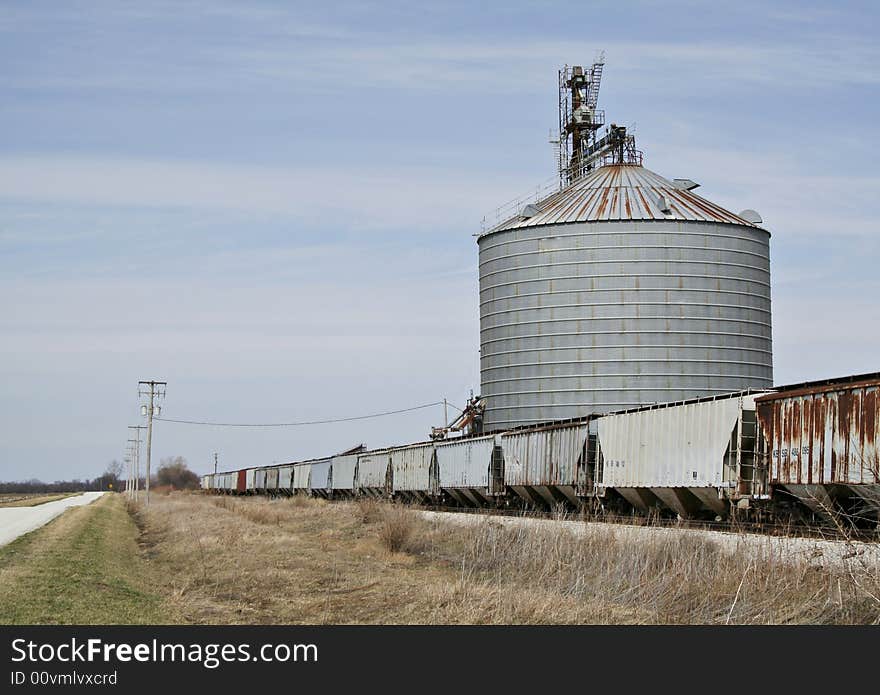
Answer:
(622, 289)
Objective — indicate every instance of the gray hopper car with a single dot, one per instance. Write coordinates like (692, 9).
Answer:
(688, 457)
(807, 447)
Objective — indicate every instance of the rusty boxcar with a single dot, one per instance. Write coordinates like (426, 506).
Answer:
(820, 441)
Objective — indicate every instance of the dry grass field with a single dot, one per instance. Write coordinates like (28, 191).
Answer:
(229, 560)
(193, 558)
(253, 560)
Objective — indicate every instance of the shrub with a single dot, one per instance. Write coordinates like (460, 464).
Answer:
(397, 529)
(368, 510)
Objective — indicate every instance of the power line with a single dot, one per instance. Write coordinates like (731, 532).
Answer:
(299, 424)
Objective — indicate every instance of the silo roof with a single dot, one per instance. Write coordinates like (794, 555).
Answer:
(621, 192)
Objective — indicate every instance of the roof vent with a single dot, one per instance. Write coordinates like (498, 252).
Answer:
(530, 210)
(663, 204)
(685, 184)
(751, 216)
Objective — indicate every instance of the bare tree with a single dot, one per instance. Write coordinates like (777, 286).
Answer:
(174, 472)
(112, 477)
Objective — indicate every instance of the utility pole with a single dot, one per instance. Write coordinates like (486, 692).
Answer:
(215, 463)
(137, 458)
(128, 482)
(445, 414)
(153, 389)
(132, 457)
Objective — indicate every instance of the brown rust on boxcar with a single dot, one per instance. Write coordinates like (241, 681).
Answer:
(835, 420)
(870, 431)
(813, 463)
(819, 411)
(845, 405)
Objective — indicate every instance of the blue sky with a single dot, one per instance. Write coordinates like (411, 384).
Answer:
(271, 205)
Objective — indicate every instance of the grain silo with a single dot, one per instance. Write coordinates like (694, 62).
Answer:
(620, 289)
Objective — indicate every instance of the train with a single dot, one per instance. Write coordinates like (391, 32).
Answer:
(805, 452)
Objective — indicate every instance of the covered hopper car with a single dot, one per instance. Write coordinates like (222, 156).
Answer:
(808, 447)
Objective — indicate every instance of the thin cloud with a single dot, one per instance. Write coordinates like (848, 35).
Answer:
(182, 197)
(394, 197)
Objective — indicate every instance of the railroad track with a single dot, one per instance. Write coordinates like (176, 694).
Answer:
(730, 526)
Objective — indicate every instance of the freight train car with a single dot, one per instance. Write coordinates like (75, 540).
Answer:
(224, 483)
(266, 480)
(471, 470)
(342, 482)
(809, 447)
(414, 472)
(259, 480)
(272, 480)
(374, 476)
(285, 479)
(320, 476)
(820, 442)
(300, 478)
(689, 457)
(547, 464)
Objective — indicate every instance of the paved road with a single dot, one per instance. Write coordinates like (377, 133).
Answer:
(16, 521)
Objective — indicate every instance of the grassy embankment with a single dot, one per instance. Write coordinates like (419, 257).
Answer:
(204, 559)
(82, 567)
(28, 499)
(252, 560)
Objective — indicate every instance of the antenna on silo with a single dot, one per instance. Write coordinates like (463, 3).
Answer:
(579, 148)
(579, 119)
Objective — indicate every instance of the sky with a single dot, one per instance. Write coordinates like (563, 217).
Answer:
(271, 206)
